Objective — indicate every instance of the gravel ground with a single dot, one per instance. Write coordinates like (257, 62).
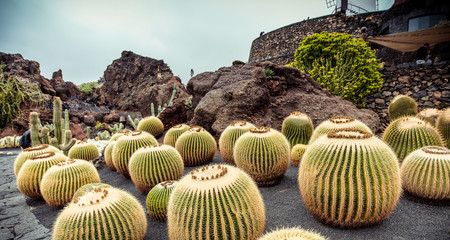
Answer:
(23, 218)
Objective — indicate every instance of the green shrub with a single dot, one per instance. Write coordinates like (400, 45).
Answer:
(269, 72)
(87, 88)
(344, 65)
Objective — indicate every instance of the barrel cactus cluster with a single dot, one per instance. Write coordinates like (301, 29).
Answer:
(173, 133)
(32, 151)
(402, 106)
(335, 123)
(196, 146)
(229, 137)
(158, 199)
(297, 128)
(84, 150)
(151, 125)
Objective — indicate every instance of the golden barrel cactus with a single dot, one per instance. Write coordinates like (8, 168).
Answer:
(349, 178)
(443, 126)
(196, 146)
(430, 115)
(228, 139)
(151, 125)
(297, 128)
(297, 153)
(158, 199)
(108, 155)
(32, 151)
(294, 233)
(83, 150)
(335, 123)
(173, 133)
(402, 106)
(118, 134)
(216, 202)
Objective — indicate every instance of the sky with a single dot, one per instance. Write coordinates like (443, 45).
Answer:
(83, 37)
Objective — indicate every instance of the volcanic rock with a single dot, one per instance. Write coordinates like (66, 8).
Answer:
(64, 90)
(111, 117)
(245, 92)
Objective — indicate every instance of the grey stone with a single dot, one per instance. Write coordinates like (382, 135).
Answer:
(420, 94)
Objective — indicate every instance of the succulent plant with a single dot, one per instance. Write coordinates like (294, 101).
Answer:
(119, 134)
(407, 134)
(158, 199)
(152, 125)
(297, 153)
(57, 119)
(349, 178)
(63, 179)
(151, 165)
(108, 155)
(263, 153)
(32, 151)
(430, 115)
(126, 145)
(84, 150)
(292, 234)
(31, 172)
(443, 126)
(297, 128)
(335, 123)
(229, 137)
(89, 187)
(196, 146)
(216, 202)
(425, 173)
(173, 133)
(402, 106)
(101, 213)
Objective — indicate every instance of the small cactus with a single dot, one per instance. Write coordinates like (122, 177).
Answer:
(108, 156)
(264, 153)
(197, 146)
(84, 150)
(216, 202)
(126, 145)
(297, 128)
(119, 134)
(430, 115)
(425, 173)
(173, 133)
(292, 234)
(407, 134)
(158, 199)
(229, 137)
(151, 165)
(32, 151)
(349, 178)
(297, 153)
(63, 179)
(30, 175)
(335, 123)
(443, 126)
(152, 125)
(101, 213)
(402, 106)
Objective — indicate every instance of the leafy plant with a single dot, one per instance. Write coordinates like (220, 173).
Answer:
(87, 88)
(98, 125)
(269, 72)
(344, 65)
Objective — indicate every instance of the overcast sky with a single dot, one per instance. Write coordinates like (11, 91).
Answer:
(82, 37)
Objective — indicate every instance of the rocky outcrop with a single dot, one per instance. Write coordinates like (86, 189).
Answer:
(64, 90)
(245, 92)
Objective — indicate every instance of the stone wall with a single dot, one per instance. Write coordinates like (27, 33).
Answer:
(429, 86)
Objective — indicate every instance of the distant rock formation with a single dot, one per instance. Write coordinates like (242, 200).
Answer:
(246, 92)
(64, 90)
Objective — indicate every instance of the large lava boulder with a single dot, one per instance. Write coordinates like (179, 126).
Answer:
(246, 92)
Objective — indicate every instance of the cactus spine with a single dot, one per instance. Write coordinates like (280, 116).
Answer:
(349, 178)
(151, 165)
(292, 234)
(216, 202)
(297, 128)
(407, 134)
(84, 150)
(158, 199)
(297, 153)
(63, 179)
(443, 126)
(173, 133)
(229, 137)
(335, 123)
(430, 115)
(426, 173)
(108, 156)
(31, 172)
(402, 106)
(102, 213)
(57, 121)
(197, 146)
(30, 152)
(126, 145)
(152, 125)
(264, 153)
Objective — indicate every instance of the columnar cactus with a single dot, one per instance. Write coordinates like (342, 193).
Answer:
(34, 128)
(158, 199)
(430, 115)
(152, 125)
(292, 234)
(173, 133)
(108, 156)
(349, 178)
(402, 106)
(297, 153)
(32, 151)
(216, 202)
(119, 134)
(196, 146)
(229, 137)
(30, 175)
(63, 179)
(443, 126)
(425, 173)
(264, 153)
(407, 134)
(335, 123)
(126, 145)
(57, 119)
(151, 165)
(297, 128)
(101, 213)
(84, 150)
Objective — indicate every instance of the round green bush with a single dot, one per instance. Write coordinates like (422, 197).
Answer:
(84, 150)
(297, 128)
(294, 233)
(197, 146)
(158, 199)
(32, 151)
(335, 123)
(344, 65)
(229, 137)
(402, 106)
(173, 133)
(152, 125)
(443, 126)
(297, 153)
